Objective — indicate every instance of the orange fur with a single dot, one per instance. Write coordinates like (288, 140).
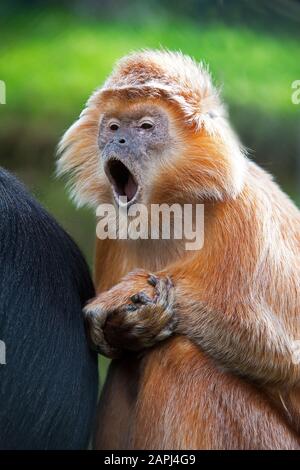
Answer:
(195, 405)
(237, 299)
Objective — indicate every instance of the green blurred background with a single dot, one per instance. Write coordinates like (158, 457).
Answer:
(53, 54)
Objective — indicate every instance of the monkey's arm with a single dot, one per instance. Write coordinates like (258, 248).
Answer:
(249, 340)
(245, 336)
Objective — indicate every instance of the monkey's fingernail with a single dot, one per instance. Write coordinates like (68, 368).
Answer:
(144, 298)
(130, 308)
(135, 298)
(141, 298)
(152, 280)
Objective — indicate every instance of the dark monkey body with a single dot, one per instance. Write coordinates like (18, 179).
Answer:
(48, 386)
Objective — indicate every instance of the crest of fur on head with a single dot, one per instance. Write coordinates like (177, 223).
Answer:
(212, 154)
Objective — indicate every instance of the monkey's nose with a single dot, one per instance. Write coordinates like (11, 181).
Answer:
(122, 141)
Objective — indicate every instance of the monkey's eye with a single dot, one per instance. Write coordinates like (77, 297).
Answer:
(146, 125)
(114, 126)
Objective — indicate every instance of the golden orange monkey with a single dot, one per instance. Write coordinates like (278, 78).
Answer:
(204, 340)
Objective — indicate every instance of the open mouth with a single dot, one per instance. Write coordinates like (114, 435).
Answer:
(122, 180)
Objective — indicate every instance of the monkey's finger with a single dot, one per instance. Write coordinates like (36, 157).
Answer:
(95, 314)
(106, 350)
(170, 292)
(97, 339)
(141, 298)
(170, 283)
(164, 292)
(127, 308)
(152, 280)
(164, 334)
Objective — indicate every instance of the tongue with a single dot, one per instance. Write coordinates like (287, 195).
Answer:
(130, 188)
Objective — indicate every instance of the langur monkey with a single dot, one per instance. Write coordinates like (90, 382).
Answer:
(204, 341)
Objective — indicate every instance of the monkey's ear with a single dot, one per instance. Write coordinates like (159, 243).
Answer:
(78, 159)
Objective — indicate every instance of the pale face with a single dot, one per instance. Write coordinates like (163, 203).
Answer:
(131, 142)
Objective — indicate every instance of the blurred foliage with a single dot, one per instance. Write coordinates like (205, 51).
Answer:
(52, 61)
(272, 14)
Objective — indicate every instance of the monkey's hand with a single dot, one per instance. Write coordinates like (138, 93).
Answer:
(133, 315)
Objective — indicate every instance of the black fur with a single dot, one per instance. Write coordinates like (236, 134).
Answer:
(48, 387)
